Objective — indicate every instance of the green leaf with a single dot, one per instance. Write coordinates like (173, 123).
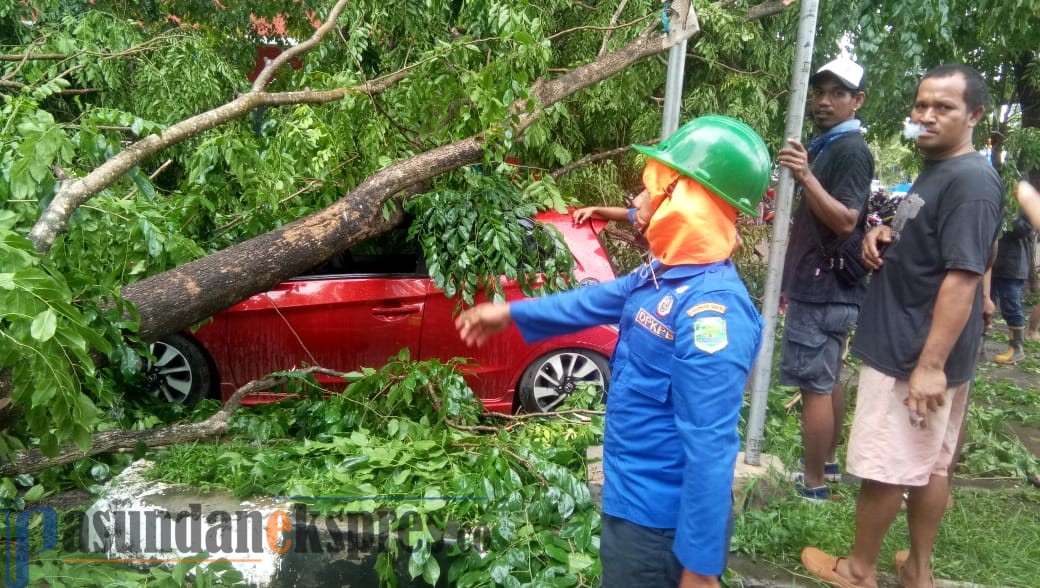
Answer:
(559, 554)
(44, 325)
(144, 185)
(579, 561)
(99, 472)
(35, 493)
(431, 571)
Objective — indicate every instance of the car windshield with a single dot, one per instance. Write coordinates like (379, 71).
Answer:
(392, 253)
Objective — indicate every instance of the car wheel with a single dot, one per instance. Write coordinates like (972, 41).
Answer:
(552, 377)
(181, 372)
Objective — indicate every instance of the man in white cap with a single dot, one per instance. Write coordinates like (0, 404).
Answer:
(822, 304)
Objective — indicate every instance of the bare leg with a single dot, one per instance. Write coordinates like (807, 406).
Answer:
(817, 434)
(876, 508)
(838, 406)
(925, 511)
(957, 452)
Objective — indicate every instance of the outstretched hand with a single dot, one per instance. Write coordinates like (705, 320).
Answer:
(582, 214)
(477, 324)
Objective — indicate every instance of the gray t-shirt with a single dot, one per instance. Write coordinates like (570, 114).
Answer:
(948, 221)
(844, 169)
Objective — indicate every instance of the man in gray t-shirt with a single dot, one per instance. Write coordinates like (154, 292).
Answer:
(919, 331)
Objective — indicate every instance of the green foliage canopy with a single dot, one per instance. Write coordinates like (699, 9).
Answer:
(82, 80)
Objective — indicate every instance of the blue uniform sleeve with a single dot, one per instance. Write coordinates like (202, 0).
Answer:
(571, 311)
(717, 337)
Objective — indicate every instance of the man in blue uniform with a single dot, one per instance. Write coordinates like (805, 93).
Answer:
(689, 334)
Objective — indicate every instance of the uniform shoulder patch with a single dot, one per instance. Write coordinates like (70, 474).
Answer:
(665, 305)
(705, 307)
(709, 334)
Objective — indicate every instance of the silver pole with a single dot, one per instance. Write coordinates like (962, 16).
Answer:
(673, 89)
(761, 372)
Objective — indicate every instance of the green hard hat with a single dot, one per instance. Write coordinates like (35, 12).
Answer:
(722, 153)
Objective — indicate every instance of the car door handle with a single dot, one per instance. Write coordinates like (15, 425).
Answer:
(396, 311)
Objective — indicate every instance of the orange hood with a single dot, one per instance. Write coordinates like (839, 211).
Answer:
(693, 225)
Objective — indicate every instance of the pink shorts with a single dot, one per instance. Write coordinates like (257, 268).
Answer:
(885, 447)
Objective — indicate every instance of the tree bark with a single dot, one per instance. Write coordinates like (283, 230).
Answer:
(767, 8)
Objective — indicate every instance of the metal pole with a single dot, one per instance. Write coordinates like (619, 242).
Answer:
(760, 375)
(673, 89)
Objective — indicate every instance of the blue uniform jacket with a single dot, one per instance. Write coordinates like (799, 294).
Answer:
(685, 348)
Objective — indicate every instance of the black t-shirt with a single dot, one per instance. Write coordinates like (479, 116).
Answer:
(1012, 261)
(959, 206)
(844, 169)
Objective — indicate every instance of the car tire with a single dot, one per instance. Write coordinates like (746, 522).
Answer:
(553, 376)
(181, 372)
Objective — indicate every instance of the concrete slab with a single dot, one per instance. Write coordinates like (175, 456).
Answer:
(746, 476)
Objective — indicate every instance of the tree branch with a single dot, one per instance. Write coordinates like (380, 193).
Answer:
(613, 21)
(32, 460)
(67, 92)
(264, 78)
(54, 220)
(608, 29)
(33, 57)
(589, 160)
(767, 8)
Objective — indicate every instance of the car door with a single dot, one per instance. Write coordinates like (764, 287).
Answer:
(341, 322)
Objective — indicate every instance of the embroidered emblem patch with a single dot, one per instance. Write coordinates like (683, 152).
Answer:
(706, 306)
(648, 322)
(665, 305)
(709, 334)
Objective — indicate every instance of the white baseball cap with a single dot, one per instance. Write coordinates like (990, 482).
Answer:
(849, 73)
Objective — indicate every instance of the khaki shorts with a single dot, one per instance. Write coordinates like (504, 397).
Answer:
(886, 448)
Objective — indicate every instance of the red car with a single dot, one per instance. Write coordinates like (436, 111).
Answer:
(366, 313)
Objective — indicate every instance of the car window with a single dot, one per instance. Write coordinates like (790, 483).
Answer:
(348, 263)
(386, 254)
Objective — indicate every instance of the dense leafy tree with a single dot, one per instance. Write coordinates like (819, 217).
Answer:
(158, 184)
(898, 41)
